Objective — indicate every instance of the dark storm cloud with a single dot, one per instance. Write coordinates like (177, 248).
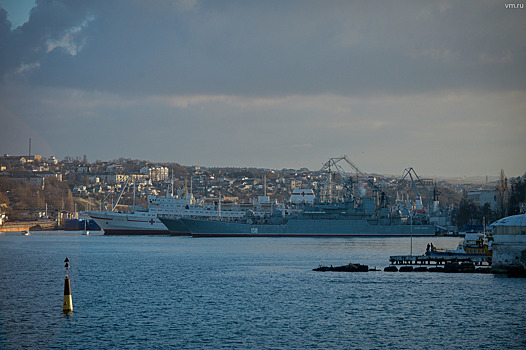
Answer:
(267, 48)
(29, 44)
(439, 85)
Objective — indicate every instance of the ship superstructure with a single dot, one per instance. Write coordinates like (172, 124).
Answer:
(329, 213)
(142, 221)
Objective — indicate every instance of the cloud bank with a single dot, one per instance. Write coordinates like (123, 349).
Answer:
(438, 85)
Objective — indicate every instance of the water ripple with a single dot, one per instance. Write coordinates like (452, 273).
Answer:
(170, 292)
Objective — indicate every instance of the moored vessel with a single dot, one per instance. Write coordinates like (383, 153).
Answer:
(146, 221)
(326, 214)
(350, 218)
(474, 245)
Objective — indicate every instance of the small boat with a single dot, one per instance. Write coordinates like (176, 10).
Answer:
(86, 232)
(474, 244)
(25, 233)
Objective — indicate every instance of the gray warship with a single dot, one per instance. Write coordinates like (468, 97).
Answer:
(321, 220)
(323, 215)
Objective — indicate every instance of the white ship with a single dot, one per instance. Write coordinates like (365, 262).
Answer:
(140, 221)
(146, 222)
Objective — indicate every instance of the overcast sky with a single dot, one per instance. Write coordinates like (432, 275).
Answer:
(436, 85)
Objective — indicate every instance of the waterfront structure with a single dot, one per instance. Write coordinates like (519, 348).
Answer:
(20, 226)
(509, 245)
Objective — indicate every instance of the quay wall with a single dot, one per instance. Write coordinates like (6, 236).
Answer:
(509, 250)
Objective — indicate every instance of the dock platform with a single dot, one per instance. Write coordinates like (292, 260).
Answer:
(438, 260)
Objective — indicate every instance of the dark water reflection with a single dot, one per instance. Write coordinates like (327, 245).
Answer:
(180, 292)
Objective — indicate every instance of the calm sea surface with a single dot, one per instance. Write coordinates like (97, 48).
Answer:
(246, 293)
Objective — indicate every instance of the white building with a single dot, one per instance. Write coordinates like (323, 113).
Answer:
(482, 197)
(509, 245)
(158, 173)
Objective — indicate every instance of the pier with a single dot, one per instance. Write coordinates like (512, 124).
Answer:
(438, 260)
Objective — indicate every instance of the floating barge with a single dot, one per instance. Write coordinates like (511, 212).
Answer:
(346, 268)
(438, 260)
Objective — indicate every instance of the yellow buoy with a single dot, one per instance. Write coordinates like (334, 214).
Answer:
(68, 302)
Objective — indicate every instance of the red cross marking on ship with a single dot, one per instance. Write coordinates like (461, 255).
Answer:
(152, 221)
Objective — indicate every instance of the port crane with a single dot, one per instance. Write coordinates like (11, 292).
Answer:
(410, 172)
(332, 163)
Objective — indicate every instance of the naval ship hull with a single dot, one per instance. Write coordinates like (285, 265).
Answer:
(303, 228)
(175, 225)
(114, 223)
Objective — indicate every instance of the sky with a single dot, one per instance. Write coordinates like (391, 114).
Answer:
(439, 86)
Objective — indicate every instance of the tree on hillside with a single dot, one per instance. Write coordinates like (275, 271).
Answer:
(503, 194)
(517, 199)
(468, 213)
(5, 204)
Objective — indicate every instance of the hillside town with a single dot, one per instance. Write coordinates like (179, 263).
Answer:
(34, 186)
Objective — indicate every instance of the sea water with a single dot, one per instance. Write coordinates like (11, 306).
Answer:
(140, 292)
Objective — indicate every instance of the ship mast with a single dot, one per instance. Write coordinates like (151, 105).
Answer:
(134, 196)
(219, 207)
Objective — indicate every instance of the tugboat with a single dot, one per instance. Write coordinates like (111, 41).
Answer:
(474, 244)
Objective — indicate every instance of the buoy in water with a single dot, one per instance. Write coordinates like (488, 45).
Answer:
(67, 307)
